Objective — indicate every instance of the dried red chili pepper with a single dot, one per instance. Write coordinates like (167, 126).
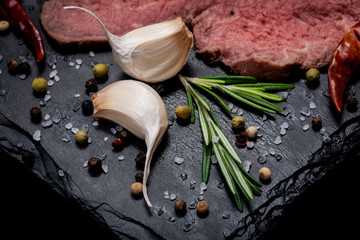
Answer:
(343, 63)
(16, 16)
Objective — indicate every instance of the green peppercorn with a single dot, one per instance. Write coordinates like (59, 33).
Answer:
(136, 188)
(4, 26)
(35, 114)
(100, 71)
(202, 207)
(39, 85)
(312, 75)
(87, 107)
(81, 137)
(183, 112)
(238, 122)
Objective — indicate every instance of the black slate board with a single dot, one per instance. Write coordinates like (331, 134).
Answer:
(305, 157)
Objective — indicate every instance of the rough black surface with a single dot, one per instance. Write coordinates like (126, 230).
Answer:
(307, 156)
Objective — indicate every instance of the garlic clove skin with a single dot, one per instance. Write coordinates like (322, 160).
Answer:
(138, 108)
(153, 53)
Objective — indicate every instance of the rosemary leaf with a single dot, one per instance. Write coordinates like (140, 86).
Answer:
(269, 96)
(206, 160)
(238, 201)
(191, 105)
(238, 176)
(268, 86)
(244, 100)
(204, 125)
(222, 103)
(248, 176)
(225, 143)
(220, 158)
(260, 101)
(199, 98)
(232, 79)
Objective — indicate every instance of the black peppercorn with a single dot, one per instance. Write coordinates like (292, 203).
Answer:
(180, 206)
(139, 177)
(140, 159)
(124, 136)
(95, 165)
(24, 68)
(28, 158)
(13, 66)
(91, 85)
(316, 123)
(87, 107)
(351, 104)
(35, 114)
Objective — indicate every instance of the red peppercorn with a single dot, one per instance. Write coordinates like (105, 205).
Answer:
(124, 136)
(118, 143)
(241, 139)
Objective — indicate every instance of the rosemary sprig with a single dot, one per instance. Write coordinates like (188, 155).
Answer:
(216, 141)
(243, 89)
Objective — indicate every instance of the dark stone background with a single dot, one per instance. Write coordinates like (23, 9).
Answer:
(32, 206)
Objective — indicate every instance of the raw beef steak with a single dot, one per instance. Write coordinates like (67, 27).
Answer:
(261, 38)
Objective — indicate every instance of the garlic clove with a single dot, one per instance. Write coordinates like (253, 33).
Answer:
(138, 108)
(152, 53)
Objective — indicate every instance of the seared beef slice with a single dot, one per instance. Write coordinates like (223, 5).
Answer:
(261, 38)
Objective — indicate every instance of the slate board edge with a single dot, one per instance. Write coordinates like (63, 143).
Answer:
(344, 141)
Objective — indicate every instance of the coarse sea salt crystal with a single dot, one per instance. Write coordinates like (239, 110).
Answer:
(46, 123)
(312, 105)
(106, 139)
(121, 157)
(71, 64)
(74, 130)
(52, 74)
(37, 135)
(306, 127)
(179, 160)
(250, 144)
(47, 97)
(282, 131)
(77, 67)
(65, 137)
(113, 130)
(50, 83)
(246, 165)
(95, 124)
(277, 140)
(57, 78)
(91, 54)
(68, 126)
(79, 61)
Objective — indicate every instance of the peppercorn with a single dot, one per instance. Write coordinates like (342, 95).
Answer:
(35, 114)
(4, 26)
(264, 173)
(241, 138)
(139, 177)
(136, 188)
(125, 136)
(180, 206)
(252, 132)
(312, 75)
(13, 66)
(117, 143)
(24, 68)
(183, 112)
(140, 159)
(202, 207)
(87, 107)
(316, 123)
(28, 158)
(238, 122)
(351, 104)
(81, 137)
(100, 71)
(39, 85)
(95, 165)
(91, 85)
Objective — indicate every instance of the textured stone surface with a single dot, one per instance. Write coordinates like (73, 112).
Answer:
(305, 157)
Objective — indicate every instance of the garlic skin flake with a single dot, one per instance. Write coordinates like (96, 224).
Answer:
(152, 53)
(138, 108)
